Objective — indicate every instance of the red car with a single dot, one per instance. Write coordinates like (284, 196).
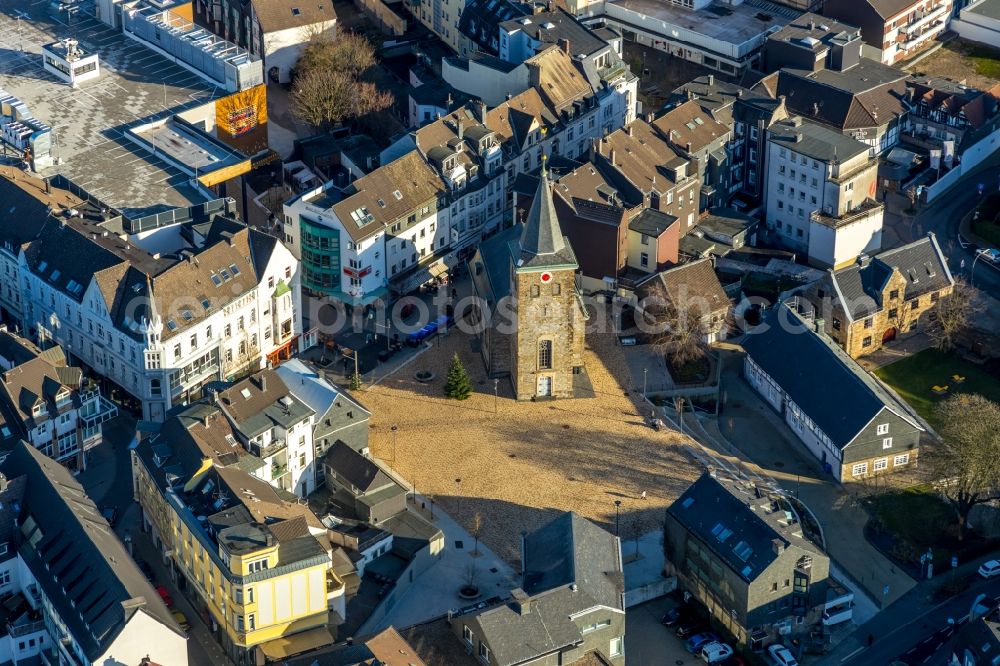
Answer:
(165, 595)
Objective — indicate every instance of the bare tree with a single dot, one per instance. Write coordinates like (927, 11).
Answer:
(966, 465)
(349, 53)
(679, 329)
(953, 314)
(477, 527)
(324, 97)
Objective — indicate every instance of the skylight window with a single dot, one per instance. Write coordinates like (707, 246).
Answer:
(42, 266)
(234, 270)
(743, 550)
(171, 324)
(245, 393)
(187, 315)
(216, 280)
(687, 502)
(55, 274)
(381, 203)
(295, 11)
(690, 126)
(721, 532)
(398, 195)
(225, 275)
(699, 121)
(205, 303)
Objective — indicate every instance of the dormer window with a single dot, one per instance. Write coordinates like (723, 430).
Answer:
(38, 409)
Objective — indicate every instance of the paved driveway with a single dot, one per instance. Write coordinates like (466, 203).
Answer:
(648, 642)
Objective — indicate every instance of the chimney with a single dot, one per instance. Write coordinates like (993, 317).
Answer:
(262, 382)
(269, 539)
(778, 546)
(687, 147)
(481, 111)
(3, 482)
(628, 129)
(461, 131)
(522, 602)
(711, 79)
(611, 156)
(864, 260)
(812, 25)
(564, 45)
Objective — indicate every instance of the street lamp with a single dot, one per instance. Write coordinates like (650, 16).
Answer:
(393, 428)
(618, 504)
(496, 385)
(645, 371)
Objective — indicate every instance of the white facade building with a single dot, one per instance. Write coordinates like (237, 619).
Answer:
(67, 61)
(160, 325)
(819, 193)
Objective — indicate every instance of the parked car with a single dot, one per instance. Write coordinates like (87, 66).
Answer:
(146, 570)
(687, 627)
(716, 652)
(182, 620)
(989, 254)
(990, 569)
(110, 514)
(165, 595)
(780, 656)
(672, 617)
(695, 643)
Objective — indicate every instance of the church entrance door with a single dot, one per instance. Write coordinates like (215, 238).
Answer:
(545, 385)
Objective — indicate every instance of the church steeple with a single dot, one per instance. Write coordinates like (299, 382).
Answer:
(542, 242)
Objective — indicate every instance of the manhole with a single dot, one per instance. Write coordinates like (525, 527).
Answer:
(459, 545)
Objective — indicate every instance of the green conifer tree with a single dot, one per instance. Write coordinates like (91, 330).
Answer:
(458, 384)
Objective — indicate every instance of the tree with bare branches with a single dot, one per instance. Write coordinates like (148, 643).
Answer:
(679, 329)
(328, 87)
(966, 465)
(476, 530)
(953, 314)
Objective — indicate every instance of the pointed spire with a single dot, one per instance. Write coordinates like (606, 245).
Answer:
(542, 234)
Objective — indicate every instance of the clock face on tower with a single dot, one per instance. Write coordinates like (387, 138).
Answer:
(546, 277)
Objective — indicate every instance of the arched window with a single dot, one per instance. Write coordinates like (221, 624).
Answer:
(544, 354)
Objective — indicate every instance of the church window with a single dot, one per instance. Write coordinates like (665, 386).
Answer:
(544, 354)
(556, 289)
(535, 290)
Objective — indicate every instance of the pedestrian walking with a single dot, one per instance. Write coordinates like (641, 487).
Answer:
(643, 495)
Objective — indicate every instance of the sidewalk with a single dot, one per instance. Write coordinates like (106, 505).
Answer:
(435, 591)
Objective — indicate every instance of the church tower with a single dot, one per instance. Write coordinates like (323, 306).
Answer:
(547, 344)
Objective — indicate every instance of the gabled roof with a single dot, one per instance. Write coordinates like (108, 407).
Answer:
(818, 376)
(35, 382)
(559, 80)
(889, 8)
(319, 394)
(690, 124)
(260, 402)
(550, 27)
(921, 263)
(520, 115)
(81, 566)
(480, 20)
(695, 285)
(741, 536)
(814, 140)
(361, 472)
(571, 565)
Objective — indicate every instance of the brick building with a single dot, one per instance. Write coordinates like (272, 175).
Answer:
(876, 299)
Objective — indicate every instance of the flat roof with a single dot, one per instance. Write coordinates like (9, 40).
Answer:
(187, 147)
(727, 23)
(89, 122)
(987, 8)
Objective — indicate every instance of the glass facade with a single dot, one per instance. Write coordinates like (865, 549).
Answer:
(320, 257)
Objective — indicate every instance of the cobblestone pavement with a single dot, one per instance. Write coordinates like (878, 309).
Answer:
(519, 463)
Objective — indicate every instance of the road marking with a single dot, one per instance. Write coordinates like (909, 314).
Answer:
(853, 654)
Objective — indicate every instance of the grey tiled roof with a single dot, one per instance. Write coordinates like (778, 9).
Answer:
(815, 140)
(359, 471)
(480, 20)
(542, 242)
(921, 263)
(550, 27)
(818, 376)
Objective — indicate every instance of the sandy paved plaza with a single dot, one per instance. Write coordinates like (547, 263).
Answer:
(520, 465)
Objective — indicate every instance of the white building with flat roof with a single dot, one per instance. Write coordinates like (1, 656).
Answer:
(67, 61)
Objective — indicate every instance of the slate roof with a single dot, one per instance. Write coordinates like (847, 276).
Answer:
(480, 21)
(689, 123)
(820, 371)
(319, 394)
(923, 265)
(260, 402)
(80, 564)
(276, 15)
(493, 282)
(815, 141)
(361, 472)
(738, 535)
(651, 222)
(642, 156)
(542, 243)
(550, 27)
(567, 551)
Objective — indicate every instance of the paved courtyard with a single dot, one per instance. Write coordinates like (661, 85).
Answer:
(521, 464)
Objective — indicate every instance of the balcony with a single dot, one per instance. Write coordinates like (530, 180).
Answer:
(925, 20)
(867, 207)
(278, 471)
(613, 71)
(16, 630)
(96, 409)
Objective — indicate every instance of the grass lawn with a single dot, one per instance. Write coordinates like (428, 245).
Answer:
(916, 515)
(986, 61)
(913, 378)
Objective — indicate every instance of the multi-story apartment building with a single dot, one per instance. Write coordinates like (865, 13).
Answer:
(741, 553)
(896, 29)
(385, 231)
(254, 559)
(275, 426)
(72, 594)
(704, 142)
(46, 403)
(878, 298)
(163, 312)
(820, 193)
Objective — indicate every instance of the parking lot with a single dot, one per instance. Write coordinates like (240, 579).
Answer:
(648, 642)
